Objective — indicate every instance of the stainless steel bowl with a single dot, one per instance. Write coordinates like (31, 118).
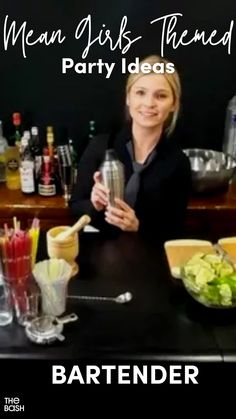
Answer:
(211, 170)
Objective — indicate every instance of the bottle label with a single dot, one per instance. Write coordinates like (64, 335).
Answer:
(27, 180)
(12, 165)
(47, 190)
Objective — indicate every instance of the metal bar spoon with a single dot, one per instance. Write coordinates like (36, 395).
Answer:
(120, 299)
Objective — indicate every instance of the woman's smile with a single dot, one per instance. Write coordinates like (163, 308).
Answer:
(147, 114)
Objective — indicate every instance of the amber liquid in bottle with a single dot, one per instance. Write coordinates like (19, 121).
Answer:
(12, 168)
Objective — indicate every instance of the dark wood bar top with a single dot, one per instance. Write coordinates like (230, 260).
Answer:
(51, 210)
(160, 323)
(212, 216)
(209, 216)
(218, 201)
(17, 200)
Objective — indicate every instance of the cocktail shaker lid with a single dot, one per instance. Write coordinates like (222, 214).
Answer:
(110, 155)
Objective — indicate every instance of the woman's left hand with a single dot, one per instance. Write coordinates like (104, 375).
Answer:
(122, 216)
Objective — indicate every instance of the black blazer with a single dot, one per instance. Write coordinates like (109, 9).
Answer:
(164, 186)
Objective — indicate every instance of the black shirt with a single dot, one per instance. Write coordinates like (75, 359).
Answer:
(163, 191)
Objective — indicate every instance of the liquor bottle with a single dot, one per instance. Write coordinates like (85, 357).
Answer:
(74, 160)
(3, 147)
(27, 176)
(229, 142)
(50, 141)
(53, 157)
(112, 171)
(16, 119)
(47, 180)
(36, 150)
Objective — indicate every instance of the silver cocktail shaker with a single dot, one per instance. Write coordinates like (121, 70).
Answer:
(65, 170)
(112, 171)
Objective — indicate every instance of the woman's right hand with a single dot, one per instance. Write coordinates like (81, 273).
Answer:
(99, 194)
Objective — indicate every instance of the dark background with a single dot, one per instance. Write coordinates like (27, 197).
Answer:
(36, 87)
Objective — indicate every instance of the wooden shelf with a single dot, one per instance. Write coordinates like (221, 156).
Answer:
(51, 211)
(210, 216)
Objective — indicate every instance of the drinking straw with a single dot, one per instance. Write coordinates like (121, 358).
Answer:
(15, 224)
(3, 254)
(28, 253)
(8, 260)
(34, 234)
(16, 244)
(6, 230)
(35, 223)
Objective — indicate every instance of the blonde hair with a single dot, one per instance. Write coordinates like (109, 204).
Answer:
(173, 81)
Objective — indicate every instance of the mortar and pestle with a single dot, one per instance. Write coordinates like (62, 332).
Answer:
(63, 242)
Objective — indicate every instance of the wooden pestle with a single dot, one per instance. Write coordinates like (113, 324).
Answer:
(83, 221)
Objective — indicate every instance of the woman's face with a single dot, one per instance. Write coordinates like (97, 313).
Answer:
(150, 101)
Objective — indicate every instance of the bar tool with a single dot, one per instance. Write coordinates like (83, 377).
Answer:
(46, 329)
(124, 298)
(81, 223)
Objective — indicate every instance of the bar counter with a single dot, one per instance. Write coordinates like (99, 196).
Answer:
(161, 322)
(207, 216)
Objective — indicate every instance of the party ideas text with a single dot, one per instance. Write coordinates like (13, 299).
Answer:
(23, 36)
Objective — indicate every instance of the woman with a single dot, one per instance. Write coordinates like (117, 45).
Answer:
(157, 172)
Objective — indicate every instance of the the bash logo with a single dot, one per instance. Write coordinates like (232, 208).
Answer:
(12, 404)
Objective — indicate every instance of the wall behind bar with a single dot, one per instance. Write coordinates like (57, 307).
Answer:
(36, 86)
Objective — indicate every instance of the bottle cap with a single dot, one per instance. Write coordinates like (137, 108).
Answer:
(16, 118)
(34, 131)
